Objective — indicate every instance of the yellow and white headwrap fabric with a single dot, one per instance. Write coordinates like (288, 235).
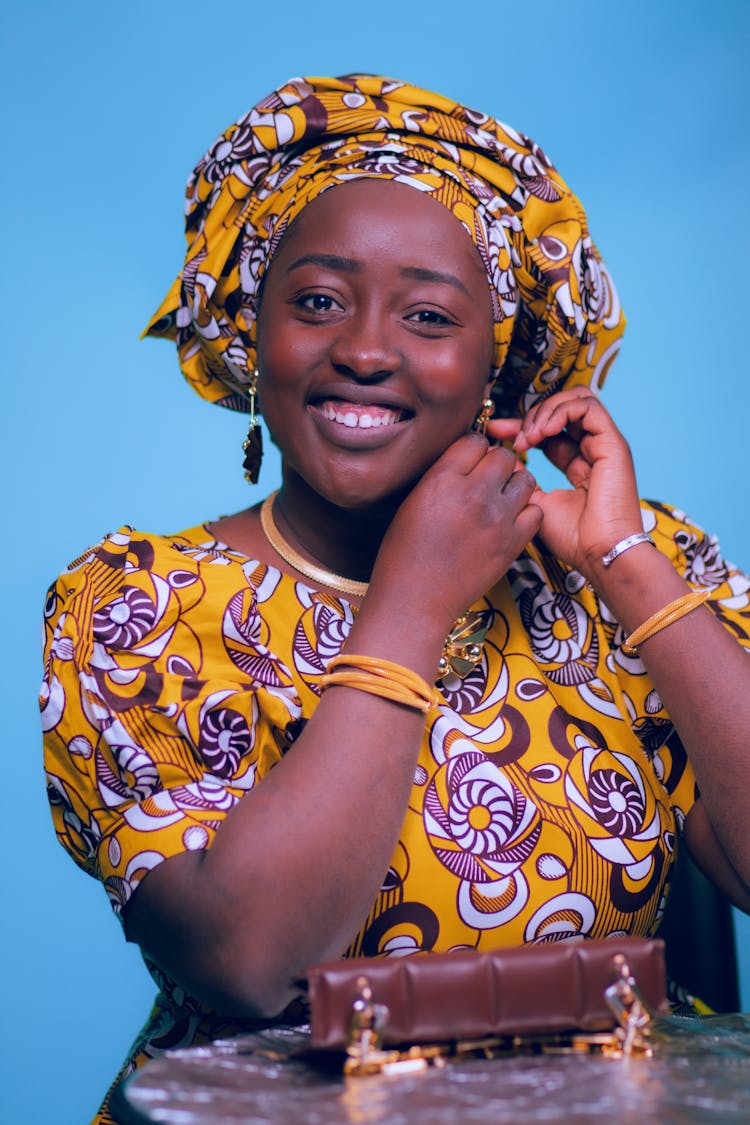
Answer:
(557, 318)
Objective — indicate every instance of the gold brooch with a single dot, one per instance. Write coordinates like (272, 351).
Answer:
(462, 651)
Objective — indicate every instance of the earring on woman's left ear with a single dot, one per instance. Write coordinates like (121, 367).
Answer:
(253, 444)
(488, 409)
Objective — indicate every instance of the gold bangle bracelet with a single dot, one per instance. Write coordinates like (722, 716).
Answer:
(374, 685)
(386, 669)
(382, 677)
(670, 613)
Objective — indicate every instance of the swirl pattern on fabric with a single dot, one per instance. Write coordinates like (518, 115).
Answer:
(557, 317)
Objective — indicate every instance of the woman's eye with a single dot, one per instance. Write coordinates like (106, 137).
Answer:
(317, 302)
(430, 317)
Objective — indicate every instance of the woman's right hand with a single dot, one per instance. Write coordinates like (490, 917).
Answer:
(459, 529)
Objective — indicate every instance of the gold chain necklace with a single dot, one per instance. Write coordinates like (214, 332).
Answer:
(310, 570)
(463, 646)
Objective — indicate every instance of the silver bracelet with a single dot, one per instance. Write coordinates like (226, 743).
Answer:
(623, 545)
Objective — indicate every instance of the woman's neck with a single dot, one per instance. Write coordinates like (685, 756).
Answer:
(341, 540)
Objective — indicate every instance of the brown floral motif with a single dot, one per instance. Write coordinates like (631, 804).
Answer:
(319, 635)
(598, 298)
(126, 772)
(610, 796)
(126, 620)
(224, 738)
(705, 565)
(465, 695)
(389, 157)
(254, 256)
(242, 629)
(206, 794)
(237, 144)
(617, 802)
(542, 187)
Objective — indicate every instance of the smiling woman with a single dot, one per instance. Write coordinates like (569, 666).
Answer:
(374, 347)
(393, 707)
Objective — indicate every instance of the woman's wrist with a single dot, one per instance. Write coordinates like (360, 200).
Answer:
(401, 630)
(625, 544)
(637, 583)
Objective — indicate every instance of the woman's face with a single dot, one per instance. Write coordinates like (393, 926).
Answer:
(374, 340)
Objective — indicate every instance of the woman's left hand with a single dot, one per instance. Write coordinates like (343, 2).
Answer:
(577, 434)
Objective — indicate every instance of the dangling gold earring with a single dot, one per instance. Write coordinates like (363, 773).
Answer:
(253, 444)
(488, 408)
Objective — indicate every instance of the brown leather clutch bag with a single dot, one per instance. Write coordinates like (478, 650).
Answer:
(523, 991)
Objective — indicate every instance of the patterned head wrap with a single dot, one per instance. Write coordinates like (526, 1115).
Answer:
(557, 318)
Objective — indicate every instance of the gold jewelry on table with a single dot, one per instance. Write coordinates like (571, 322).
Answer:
(253, 443)
(671, 612)
(310, 570)
(488, 409)
(463, 647)
(377, 676)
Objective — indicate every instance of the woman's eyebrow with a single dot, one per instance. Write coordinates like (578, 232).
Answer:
(351, 265)
(329, 261)
(420, 274)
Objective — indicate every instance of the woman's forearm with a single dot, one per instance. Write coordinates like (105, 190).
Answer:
(298, 862)
(702, 676)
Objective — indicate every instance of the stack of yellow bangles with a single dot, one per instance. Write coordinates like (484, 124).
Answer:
(381, 677)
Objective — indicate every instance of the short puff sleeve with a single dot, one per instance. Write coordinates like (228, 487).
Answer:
(162, 701)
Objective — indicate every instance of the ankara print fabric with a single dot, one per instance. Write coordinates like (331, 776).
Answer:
(557, 318)
(550, 785)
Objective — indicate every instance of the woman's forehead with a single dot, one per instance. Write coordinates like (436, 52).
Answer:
(376, 212)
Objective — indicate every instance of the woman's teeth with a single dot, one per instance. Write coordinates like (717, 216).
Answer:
(355, 416)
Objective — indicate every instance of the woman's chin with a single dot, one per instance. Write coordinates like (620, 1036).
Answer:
(354, 492)
(363, 500)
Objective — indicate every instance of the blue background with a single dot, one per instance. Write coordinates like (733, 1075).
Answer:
(643, 106)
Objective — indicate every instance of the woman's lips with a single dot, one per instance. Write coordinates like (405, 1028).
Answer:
(357, 415)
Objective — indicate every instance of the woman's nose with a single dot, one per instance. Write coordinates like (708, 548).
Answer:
(363, 347)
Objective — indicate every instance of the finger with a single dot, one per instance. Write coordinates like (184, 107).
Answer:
(551, 417)
(559, 398)
(520, 486)
(505, 474)
(561, 451)
(582, 414)
(528, 522)
(497, 466)
(503, 429)
(464, 454)
(578, 471)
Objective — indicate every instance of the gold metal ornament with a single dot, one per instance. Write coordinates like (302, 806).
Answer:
(314, 571)
(463, 647)
(488, 409)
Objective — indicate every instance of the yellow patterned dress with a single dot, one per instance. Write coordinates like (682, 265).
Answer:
(550, 786)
